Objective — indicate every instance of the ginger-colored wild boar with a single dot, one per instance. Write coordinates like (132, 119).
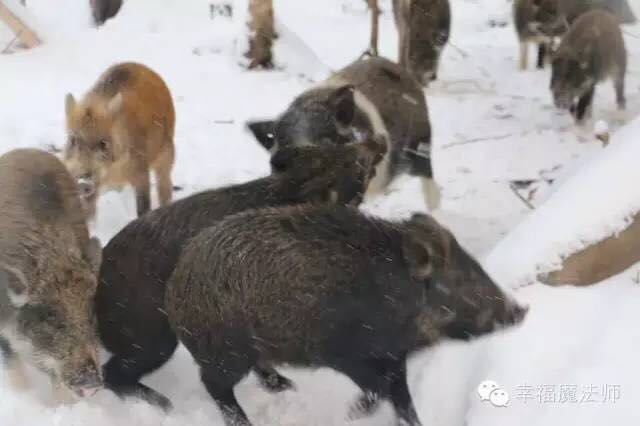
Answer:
(120, 130)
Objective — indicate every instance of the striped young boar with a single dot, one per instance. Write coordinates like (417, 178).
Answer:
(370, 97)
(540, 22)
(423, 31)
(132, 321)
(320, 286)
(592, 51)
(48, 266)
(119, 131)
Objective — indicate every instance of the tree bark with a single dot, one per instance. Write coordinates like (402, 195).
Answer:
(26, 35)
(261, 34)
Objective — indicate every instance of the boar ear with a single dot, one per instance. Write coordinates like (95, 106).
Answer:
(343, 104)
(115, 104)
(93, 254)
(69, 104)
(16, 285)
(264, 132)
(418, 256)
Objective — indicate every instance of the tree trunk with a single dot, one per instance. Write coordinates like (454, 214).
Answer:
(375, 15)
(26, 35)
(261, 34)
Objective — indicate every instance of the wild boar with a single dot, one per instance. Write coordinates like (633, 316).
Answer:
(122, 128)
(48, 266)
(423, 32)
(592, 51)
(132, 321)
(327, 286)
(573, 9)
(372, 96)
(538, 21)
(104, 9)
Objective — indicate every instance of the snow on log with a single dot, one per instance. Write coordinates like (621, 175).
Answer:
(26, 35)
(587, 230)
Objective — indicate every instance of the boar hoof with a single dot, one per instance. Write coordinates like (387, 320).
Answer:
(364, 406)
(274, 382)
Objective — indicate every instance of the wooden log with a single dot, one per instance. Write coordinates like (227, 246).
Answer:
(375, 18)
(262, 34)
(26, 35)
(600, 260)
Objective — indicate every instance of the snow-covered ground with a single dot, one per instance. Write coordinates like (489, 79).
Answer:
(492, 126)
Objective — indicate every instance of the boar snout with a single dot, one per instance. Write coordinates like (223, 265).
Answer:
(86, 380)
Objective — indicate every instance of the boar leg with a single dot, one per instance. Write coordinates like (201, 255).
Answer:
(271, 380)
(220, 382)
(619, 86)
(142, 185)
(162, 171)
(524, 55)
(542, 54)
(122, 377)
(400, 396)
(14, 367)
(584, 105)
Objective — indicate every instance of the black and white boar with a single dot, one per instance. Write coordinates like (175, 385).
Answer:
(322, 286)
(592, 51)
(132, 321)
(370, 97)
(48, 266)
(423, 32)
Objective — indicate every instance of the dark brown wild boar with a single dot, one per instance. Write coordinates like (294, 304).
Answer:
(139, 260)
(327, 286)
(423, 31)
(592, 51)
(48, 266)
(119, 131)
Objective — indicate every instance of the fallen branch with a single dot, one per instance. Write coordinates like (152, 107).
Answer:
(10, 44)
(476, 140)
(526, 202)
(462, 53)
(26, 35)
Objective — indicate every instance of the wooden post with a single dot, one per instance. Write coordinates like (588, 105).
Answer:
(26, 35)
(375, 15)
(262, 34)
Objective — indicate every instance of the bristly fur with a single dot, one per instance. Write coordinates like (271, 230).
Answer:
(130, 299)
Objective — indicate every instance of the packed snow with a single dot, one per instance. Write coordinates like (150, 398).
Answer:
(500, 149)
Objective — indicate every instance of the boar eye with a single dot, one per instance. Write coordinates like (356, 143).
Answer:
(103, 145)
(73, 142)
